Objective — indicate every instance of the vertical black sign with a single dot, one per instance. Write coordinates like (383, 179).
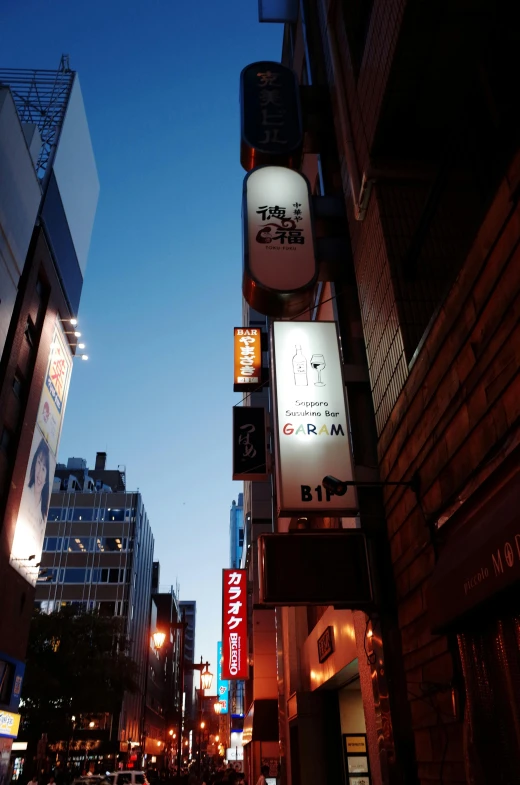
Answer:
(270, 116)
(249, 443)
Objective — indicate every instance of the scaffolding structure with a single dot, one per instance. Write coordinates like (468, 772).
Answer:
(41, 97)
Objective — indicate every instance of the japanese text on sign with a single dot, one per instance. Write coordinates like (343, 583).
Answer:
(278, 227)
(272, 107)
(248, 355)
(234, 625)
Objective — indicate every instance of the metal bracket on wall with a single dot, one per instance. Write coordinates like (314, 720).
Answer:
(340, 487)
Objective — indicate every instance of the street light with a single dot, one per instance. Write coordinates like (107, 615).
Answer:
(206, 680)
(218, 707)
(158, 639)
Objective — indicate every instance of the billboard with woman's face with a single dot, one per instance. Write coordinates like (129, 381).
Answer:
(32, 516)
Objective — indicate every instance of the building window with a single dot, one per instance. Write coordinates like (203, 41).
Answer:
(83, 514)
(77, 544)
(75, 575)
(6, 440)
(52, 544)
(111, 544)
(41, 288)
(55, 514)
(30, 332)
(115, 514)
(108, 575)
(18, 383)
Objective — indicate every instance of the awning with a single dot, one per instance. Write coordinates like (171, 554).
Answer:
(261, 721)
(480, 558)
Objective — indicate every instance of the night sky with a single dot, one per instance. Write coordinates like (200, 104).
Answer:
(163, 283)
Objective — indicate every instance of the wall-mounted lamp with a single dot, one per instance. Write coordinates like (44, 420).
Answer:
(158, 639)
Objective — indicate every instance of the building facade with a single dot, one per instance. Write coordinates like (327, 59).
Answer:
(411, 133)
(163, 694)
(261, 740)
(98, 556)
(188, 610)
(45, 228)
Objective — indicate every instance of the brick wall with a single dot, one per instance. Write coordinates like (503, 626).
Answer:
(455, 421)
(362, 102)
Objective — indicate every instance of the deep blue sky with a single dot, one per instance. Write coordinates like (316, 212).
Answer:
(163, 284)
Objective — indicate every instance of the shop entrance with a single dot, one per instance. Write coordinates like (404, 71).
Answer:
(490, 654)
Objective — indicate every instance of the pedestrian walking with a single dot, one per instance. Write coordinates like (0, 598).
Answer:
(264, 771)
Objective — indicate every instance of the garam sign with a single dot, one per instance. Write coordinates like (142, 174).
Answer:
(311, 425)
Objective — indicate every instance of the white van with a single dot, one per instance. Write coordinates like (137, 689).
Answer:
(126, 778)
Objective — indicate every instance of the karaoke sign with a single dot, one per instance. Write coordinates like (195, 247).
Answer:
(234, 625)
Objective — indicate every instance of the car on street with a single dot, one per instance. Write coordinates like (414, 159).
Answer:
(126, 778)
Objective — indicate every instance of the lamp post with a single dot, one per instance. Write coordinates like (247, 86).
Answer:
(206, 680)
(158, 639)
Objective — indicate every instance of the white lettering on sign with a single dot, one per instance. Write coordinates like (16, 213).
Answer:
(248, 355)
(234, 651)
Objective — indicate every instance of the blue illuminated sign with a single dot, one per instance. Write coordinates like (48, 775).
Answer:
(222, 684)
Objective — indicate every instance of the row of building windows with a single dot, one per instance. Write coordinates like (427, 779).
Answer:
(87, 544)
(103, 607)
(90, 514)
(83, 575)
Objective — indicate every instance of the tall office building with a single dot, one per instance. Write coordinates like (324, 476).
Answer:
(189, 609)
(98, 555)
(48, 196)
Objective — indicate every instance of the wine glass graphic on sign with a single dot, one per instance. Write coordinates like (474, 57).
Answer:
(318, 363)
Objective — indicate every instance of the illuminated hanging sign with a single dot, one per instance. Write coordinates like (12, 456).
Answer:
(222, 684)
(248, 359)
(311, 425)
(280, 268)
(55, 389)
(234, 625)
(249, 444)
(9, 724)
(270, 116)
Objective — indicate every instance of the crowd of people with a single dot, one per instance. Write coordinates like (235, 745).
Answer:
(221, 775)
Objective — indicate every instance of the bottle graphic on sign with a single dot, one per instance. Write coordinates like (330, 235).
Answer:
(299, 364)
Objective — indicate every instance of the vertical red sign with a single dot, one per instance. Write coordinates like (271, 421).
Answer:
(234, 625)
